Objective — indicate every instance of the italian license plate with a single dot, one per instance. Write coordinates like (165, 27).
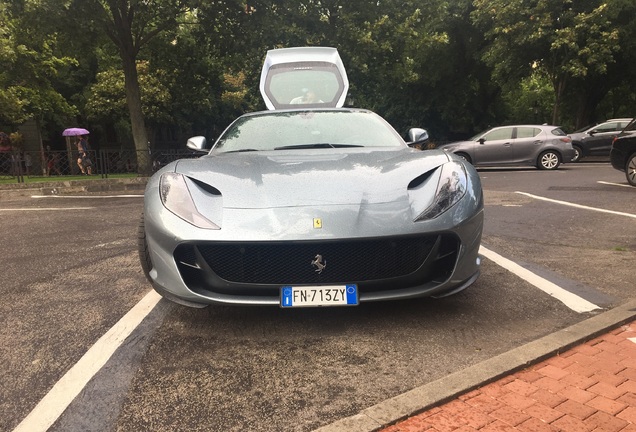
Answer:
(306, 296)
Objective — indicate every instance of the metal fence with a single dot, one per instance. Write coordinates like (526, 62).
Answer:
(19, 166)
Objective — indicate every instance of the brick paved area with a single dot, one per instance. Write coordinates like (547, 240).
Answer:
(590, 388)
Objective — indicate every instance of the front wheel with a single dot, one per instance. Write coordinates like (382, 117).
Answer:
(630, 170)
(549, 160)
(578, 153)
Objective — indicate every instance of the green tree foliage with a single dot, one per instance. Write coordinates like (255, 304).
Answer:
(425, 69)
(194, 76)
(32, 67)
(574, 43)
(391, 51)
(106, 103)
(131, 25)
(190, 66)
(532, 101)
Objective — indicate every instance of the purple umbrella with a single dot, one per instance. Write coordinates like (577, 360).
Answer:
(75, 132)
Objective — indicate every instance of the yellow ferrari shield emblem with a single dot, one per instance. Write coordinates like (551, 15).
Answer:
(317, 223)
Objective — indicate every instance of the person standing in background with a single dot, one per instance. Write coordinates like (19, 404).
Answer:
(83, 159)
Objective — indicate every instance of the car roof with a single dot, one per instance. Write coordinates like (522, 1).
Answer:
(291, 75)
(308, 110)
(527, 125)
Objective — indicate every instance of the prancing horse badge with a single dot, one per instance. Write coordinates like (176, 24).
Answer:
(317, 223)
(319, 263)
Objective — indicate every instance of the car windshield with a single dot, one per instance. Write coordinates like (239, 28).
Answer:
(278, 130)
(479, 135)
(631, 126)
(585, 128)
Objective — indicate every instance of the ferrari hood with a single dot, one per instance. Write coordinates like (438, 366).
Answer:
(309, 177)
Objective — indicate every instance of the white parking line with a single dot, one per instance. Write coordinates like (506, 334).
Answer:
(572, 301)
(86, 196)
(614, 184)
(47, 209)
(577, 205)
(51, 407)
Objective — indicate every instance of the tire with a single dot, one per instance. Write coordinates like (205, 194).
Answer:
(142, 248)
(465, 157)
(630, 169)
(549, 160)
(578, 153)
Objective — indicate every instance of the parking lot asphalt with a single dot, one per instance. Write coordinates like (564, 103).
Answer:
(579, 378)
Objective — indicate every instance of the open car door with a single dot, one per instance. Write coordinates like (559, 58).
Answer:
(309, 77)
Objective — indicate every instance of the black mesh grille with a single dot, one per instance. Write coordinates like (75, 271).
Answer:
(291, 263)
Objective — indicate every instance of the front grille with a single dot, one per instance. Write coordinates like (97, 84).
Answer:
(347, 261)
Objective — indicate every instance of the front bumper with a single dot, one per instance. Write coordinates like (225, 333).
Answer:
(384, 268)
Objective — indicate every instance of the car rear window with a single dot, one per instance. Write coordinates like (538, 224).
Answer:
(558, 132)
(290, 84)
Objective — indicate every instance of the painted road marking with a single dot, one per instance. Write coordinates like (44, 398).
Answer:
(51, 407)
(569, 299)
(48, 209)
(577, 205)
(86, 196)
(615, 184)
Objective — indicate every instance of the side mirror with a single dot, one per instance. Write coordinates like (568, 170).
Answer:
(417, 136)
(198, 143)
(481, 140)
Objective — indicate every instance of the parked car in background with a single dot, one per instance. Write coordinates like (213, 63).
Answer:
(596, 140)
(623, 152)
(543, 146)
(311, 204)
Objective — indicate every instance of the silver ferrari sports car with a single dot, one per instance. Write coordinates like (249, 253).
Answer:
(310, 204)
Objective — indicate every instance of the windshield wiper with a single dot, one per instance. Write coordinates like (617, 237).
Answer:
(316, 145)
(304, 146)
(241, 150)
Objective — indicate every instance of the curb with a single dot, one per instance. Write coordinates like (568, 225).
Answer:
(73, 187)
(445, 389)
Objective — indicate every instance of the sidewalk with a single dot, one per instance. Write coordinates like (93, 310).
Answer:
(578, 379)
(59, 186)
(591, 387)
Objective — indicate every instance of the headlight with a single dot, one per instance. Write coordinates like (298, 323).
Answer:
(450, 189)
(176, 197)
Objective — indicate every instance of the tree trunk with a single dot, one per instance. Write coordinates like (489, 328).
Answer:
(559, 88)
(133, 98)
(588, 102)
